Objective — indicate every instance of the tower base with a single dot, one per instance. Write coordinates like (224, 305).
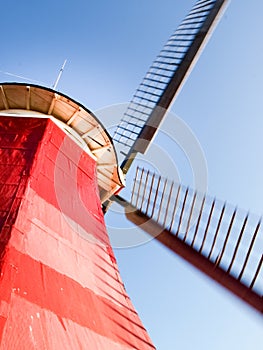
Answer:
(60, 286)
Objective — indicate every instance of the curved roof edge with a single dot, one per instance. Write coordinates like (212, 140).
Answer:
(73, 115)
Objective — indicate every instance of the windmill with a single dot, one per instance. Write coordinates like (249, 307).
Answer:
(158, 93)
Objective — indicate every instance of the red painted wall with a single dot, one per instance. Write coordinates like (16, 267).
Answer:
(60, 286)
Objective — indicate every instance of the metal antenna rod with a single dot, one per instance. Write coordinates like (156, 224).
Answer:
(59, 75)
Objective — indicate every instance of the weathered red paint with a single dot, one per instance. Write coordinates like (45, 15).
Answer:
(60, 286)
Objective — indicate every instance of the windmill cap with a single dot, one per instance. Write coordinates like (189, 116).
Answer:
(79, 123)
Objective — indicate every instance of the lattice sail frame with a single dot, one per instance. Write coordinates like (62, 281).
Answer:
(226, 236)
(164, 79)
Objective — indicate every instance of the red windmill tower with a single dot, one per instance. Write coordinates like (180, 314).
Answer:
(60, 284)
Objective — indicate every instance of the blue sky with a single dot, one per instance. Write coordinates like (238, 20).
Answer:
(109, 46)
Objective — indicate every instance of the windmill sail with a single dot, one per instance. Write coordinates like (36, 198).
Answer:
(222, 241)
(165, 78)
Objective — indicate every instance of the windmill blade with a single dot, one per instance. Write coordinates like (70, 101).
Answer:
(224, 242)
(165, 78)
